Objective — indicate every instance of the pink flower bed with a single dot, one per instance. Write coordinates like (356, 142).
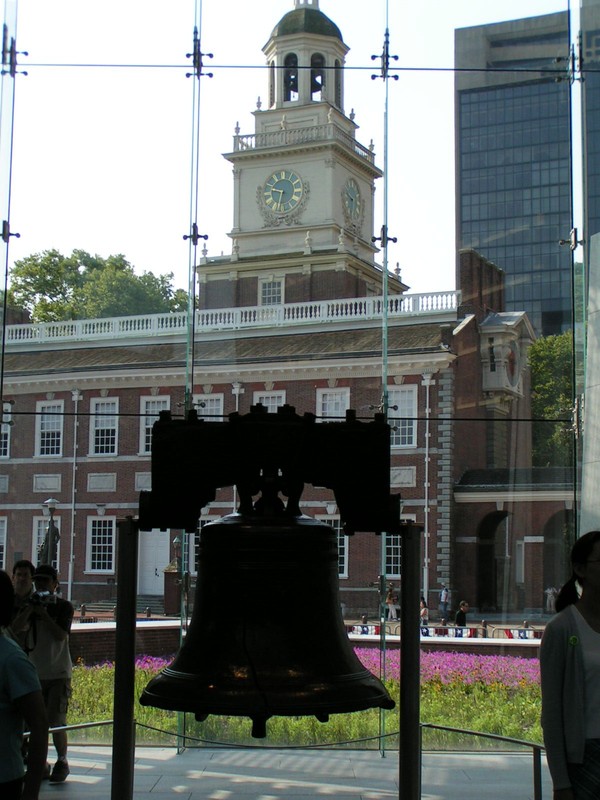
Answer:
(446, 668)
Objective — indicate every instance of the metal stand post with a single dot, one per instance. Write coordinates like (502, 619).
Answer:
(123, 750)
(410, 679)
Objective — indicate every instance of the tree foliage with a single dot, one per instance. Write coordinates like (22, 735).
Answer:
(53, 287)
(551, 363)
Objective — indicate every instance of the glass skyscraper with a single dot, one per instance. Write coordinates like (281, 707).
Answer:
(513, 160)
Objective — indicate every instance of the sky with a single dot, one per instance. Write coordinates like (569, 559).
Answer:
(103, 122)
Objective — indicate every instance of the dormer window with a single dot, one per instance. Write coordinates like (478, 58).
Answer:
(317, 76)
(290, 77)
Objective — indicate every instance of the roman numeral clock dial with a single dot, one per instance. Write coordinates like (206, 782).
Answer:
(283, 192)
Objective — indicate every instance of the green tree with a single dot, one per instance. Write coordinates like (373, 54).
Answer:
(54, 287)
(551, 363)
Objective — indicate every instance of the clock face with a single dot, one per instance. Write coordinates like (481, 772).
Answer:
(352, 200)
(283, 191)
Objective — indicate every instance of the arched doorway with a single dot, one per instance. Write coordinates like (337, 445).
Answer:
(491, 565)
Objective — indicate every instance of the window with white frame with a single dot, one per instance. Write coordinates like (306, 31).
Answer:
(342, 544)
(402, 416)
(209, 406)
(271, 400)
(333, 402)
(100, 550)
(49, 428)
(194, 545)
(5, 426)
(193, 542)
(40, 529)
(104, 427)
(270, 291)
(391, 544)
(150, 408)
(2, 542)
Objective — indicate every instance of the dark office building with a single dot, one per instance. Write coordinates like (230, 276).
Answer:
(513, 159)
(590, 52)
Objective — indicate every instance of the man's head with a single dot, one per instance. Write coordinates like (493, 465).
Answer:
(7, 598)
(45, 578)
(22, 577)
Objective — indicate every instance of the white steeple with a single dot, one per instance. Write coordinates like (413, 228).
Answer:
(306, 3)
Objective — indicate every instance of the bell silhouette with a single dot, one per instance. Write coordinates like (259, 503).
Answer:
(267, 636)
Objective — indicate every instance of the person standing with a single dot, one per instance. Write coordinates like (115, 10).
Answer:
(390, 601)
(444, 601)
(21, 706)
(424, 613)
(570, 678)
(22, 578)
(460, 620)
(45, 639)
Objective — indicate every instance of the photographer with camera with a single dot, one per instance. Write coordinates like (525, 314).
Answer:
(42, 628)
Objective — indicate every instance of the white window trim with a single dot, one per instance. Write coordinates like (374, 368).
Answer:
(328, 519)
(279, 393)
(144, 400)
(344, 390)
(271, 279)
(39, 410)
(94, 403)
(88, 546)
(414, 390)
(202, 398)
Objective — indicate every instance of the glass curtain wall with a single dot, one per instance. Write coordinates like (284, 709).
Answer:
(314, 206)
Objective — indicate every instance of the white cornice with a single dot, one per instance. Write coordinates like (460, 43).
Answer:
(132, 377)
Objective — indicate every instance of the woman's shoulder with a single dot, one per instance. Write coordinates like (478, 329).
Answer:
(562, 621)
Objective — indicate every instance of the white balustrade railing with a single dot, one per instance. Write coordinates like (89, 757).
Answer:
(295, 136)
(223, 319)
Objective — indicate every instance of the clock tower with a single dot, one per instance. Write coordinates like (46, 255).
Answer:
(304, 185)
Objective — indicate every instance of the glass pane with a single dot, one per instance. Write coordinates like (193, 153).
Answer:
(411, 237)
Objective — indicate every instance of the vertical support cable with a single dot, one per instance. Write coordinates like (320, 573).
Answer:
(7, 98)
(384, 238)
(76, 397)
(427, 383)
(382, 635)
(384, 406)
(193, 237)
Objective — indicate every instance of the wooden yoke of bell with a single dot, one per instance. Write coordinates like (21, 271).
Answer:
(279, 453)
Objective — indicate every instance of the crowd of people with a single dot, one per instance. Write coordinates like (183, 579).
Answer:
(35, 679)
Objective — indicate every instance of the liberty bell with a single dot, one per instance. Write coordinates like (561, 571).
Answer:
(267, 636)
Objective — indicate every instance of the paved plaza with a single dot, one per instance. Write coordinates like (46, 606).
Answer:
(255, 774)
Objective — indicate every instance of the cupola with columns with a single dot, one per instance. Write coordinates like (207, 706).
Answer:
(303, 188)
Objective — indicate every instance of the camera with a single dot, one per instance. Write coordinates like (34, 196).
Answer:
(42, 598)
